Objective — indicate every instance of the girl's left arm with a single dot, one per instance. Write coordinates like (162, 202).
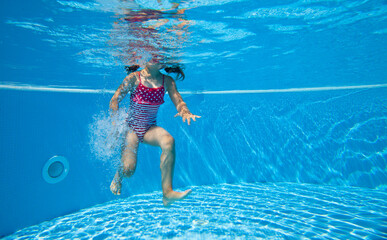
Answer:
(181, 106)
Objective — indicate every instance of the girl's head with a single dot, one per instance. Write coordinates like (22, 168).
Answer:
(172, 69)
(155, 64)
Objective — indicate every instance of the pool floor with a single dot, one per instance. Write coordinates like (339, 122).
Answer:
(229, 211)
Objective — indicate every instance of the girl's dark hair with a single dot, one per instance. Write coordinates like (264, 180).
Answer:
(173, 69)
(176, 69)
(130, 69)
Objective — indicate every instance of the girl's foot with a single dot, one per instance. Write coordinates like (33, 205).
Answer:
(172, 196)
(115, 186)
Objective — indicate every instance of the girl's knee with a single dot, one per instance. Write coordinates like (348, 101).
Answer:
(168, 143)
(128, 169)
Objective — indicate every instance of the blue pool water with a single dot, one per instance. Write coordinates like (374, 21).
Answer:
(230, 211)
(292, 142)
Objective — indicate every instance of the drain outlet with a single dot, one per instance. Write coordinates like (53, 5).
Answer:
(55, 169)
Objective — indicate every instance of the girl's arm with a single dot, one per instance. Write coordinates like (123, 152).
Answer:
(176, 98)
(121, 92)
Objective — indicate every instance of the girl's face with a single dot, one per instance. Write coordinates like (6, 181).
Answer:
(155, 64)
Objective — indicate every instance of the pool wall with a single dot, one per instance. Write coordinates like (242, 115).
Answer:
(327, 137)
(34, 127)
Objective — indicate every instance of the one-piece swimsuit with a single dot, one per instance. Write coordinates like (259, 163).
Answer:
(144, 105)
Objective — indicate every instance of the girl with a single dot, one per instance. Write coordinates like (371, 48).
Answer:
(147, 89)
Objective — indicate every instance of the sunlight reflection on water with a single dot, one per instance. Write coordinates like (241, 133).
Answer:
(230, 211)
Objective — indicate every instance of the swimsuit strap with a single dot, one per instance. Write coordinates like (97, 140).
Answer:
(139, 76)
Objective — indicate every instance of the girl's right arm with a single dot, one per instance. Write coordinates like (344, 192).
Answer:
(121, 92)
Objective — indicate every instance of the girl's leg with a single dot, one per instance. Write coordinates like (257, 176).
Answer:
(157, 136)
(128, 162)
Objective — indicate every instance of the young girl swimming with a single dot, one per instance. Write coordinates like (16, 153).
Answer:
(147, 89)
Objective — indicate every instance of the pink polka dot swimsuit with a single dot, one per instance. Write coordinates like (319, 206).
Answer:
(144, 105)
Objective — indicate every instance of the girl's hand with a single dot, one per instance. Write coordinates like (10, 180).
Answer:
(187, 116)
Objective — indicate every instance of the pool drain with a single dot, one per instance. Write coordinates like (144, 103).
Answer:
(55, 169)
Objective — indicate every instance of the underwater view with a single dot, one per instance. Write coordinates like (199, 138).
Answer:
(193, 119)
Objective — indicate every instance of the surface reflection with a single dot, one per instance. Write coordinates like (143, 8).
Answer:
(141, 34)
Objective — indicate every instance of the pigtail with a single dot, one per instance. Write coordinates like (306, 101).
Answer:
(130, 69)
(176, 69)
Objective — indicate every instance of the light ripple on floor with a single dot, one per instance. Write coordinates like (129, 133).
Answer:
(230, 211)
